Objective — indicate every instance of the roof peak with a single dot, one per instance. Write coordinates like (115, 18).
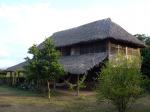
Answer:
(96, 30)
(109, 19)
(106, 19)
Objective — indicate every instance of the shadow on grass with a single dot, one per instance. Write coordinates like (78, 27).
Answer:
(13, 91)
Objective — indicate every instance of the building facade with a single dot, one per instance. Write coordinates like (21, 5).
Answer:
(85, 47)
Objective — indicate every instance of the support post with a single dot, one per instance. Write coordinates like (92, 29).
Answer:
(18, 76)
(13, 79)
(78, 85)
(127, 52)
(10, 78)
(54, 85)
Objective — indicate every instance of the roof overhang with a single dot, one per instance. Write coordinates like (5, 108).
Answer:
(76, 64)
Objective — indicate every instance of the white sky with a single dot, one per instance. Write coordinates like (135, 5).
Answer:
(23, 23)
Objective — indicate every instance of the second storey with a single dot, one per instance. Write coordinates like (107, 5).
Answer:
(111, 47)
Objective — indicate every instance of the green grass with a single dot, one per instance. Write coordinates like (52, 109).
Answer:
(16, 91)
(15, 100)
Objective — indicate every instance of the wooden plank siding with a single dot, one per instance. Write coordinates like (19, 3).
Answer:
(117, 48)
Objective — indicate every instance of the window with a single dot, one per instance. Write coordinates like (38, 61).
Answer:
(92, 48)
(99, 48)
(83, 49)
(65, 51)
(75, 51)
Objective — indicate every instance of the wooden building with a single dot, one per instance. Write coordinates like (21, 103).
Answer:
(85, 47)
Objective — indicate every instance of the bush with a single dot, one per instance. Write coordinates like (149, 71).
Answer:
(146, 83)
(120, 81)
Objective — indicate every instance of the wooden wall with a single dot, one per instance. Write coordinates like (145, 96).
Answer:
(117, 48)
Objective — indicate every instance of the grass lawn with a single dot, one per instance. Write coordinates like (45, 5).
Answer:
(15, 100)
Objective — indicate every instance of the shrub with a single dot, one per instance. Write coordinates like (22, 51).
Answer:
(120, 81)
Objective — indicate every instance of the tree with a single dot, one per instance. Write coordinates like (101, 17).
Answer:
(51, 68)
(45, 64)
(120, 82)
(145, 52)
(143, 38)
(33, 68)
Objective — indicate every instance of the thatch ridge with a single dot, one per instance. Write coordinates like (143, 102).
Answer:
(97, 30)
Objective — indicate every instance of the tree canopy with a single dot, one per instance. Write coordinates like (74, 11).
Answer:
(45, 63)
(120, 82)
(145, 53)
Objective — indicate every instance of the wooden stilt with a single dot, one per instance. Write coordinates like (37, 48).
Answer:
(77, 85)
(18, 76)
(13, 79)
(10, 79)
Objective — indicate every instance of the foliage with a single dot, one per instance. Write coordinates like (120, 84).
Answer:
(81, 82)
(143, 38)
(51, 68)
(146, 83)
(70, 85)
(45, 64)
(73, 86)
(145, 68)
(145, 52)
(120, 82)
(32, 69)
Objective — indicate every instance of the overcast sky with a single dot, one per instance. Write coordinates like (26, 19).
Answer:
(25, 22)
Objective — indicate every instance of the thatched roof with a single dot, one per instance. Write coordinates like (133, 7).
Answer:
(77, 64)
(17, 67)
(98, 30)
(81, 63)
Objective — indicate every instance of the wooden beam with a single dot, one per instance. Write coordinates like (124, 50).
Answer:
(126, 52)
(10, 78)
(13, 79)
